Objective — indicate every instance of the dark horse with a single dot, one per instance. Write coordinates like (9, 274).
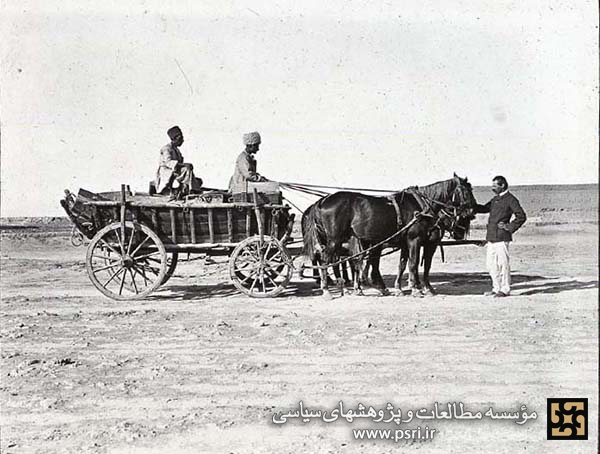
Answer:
(340, 272)
(422, 215)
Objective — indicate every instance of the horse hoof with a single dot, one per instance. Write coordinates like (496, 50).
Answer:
(398, 292)
(359, 293)
(429, 292)
(416, 293)
(384, 292)
(327, 295)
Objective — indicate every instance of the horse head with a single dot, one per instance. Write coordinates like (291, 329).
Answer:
(463, 197)
(463, 208)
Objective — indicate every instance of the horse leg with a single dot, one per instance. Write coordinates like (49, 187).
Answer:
(345, 272)
(316, 271)
(414, 248)
(356, 265)
(324, 286)
(401, 267)
(339, 280)
(375, 274)
(328, 256)
(364, 272)
(428, 253)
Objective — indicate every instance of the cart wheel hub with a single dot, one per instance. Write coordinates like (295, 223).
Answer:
(128, 261)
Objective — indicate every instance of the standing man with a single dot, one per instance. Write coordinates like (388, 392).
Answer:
(171, 168)
(245, 165)
(499, 234)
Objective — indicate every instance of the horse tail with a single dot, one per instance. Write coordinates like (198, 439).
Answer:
(310, 232)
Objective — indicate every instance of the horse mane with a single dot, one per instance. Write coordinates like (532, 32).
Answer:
(441, 190)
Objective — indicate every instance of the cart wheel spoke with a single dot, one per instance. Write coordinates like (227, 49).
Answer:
(117, 234)
(272, 281)
(152, 269)
(253, 284)
(262, 282)
(247, 268)
(97, 270)
(110, 247)
(140, 245)
(147, 256)
(131, 241)
(141, 273)
(133, 281)
(278, 254)
(248, 277)
(113, 276)
(122, 283)
(106, 258)
(266, 254)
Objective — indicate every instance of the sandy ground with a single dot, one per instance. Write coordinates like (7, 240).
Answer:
(199, 367)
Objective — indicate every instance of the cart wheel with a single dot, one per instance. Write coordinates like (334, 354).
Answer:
(171, 265)
(260, 271)
(126, 265)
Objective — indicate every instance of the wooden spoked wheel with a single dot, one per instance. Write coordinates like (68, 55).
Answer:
(260, 270)
(128, 264)
(171, 265)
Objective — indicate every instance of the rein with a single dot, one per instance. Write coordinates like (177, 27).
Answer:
(453, 217)
(418, 215)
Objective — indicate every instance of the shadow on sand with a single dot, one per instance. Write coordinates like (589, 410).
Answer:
(478, 283)
(443, 283)
(174, 292)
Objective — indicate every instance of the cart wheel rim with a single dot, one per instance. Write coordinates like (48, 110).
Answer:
(171, 265)
(260, 269)
(127, 264)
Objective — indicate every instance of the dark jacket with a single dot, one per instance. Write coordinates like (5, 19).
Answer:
(501, 209)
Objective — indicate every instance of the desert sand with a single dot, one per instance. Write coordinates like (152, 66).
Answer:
(199, 367)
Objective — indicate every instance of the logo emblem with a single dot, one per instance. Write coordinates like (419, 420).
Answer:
(567, 419)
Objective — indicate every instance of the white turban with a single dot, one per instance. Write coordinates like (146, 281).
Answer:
(252, 138)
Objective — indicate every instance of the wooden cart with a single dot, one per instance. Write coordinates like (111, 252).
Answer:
(135, 240)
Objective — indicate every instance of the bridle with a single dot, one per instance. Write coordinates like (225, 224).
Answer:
(449, 214)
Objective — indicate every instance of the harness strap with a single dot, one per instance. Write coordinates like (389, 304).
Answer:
(420, 198)
(363, 253)
(392, 198)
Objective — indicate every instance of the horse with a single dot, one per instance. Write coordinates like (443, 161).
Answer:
(456, 223)
(340, 273)
(407, 219)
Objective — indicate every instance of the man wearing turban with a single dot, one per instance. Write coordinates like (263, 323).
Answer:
(245, 165)
(171, 168)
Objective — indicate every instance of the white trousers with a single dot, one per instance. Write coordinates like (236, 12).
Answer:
(498, 265)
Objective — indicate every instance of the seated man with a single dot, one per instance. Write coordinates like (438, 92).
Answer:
(172, 169)
(245, 165)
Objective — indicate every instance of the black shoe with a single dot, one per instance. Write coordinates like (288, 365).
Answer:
(501, 295)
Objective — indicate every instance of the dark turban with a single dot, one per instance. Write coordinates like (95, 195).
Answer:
(174, 132)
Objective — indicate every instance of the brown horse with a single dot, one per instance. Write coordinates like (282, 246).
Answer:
(416, 218)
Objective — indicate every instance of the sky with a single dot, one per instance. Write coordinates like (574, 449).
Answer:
(370, 94)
